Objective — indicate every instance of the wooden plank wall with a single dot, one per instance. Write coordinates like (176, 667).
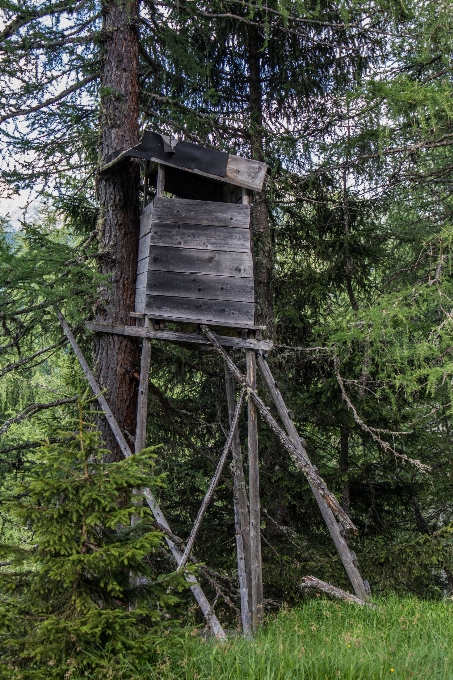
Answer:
(195, 262)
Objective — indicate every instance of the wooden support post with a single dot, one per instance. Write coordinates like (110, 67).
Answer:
(160, 186)
(213, 484)
(145, 185)
(142, 405)
(197, 592)
(241, 514)
(254, 497)
(334, 528)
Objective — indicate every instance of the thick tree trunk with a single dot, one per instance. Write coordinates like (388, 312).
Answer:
(263, 252)
(117, 356)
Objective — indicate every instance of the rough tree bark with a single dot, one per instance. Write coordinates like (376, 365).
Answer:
(117, 356)
(263, 257)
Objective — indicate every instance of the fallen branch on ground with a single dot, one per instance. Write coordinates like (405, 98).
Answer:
(313, 582)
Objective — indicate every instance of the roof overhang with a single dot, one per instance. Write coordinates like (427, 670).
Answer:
(194, 158)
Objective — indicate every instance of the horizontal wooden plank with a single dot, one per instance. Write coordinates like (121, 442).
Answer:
(143, 246)
(164, 258)
(173, 336)
(201, 212)
(204, 237)
(201, 311)
(176, 284)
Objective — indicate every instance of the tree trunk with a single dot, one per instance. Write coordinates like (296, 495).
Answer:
(263, 255)
(117, 356)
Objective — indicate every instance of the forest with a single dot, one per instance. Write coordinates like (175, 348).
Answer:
(349, 104)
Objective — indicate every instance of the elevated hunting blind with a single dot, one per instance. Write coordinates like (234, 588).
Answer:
(195, 284)
(195, 259)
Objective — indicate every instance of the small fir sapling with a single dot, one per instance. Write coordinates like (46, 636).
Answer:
(81, 592)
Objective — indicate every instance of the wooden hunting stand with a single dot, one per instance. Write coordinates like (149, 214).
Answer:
(195, 285)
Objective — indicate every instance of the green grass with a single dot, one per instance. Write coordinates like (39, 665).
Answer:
(403, 639)
(324, 640)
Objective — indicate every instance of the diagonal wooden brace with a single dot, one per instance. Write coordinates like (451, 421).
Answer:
(213, 484)
(198, 593)
(333, 526)
(301, 461)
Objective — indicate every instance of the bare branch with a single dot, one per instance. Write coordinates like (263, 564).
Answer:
(371, 431)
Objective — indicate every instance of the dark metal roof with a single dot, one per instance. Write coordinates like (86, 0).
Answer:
(201, 160)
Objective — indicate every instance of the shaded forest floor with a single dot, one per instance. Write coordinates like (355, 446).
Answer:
(405, 639)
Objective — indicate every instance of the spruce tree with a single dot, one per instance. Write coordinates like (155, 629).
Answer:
(81, 593)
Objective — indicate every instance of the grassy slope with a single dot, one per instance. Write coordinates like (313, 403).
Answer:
(323, 640)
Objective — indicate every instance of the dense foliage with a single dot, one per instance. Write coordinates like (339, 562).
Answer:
(80, 589)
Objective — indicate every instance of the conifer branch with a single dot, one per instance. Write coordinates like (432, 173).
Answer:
(31, 308)
(11, 367)
(32, 409)
(28, 15)
(70, 39)
(32, 445)
(52, 100)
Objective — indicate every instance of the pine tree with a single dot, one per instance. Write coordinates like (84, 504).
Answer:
(82, 592)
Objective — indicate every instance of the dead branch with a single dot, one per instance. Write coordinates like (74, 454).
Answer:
(312, 582)
(213, 577)
(371, 431)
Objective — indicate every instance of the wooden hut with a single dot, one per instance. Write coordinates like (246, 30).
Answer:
(195, 255)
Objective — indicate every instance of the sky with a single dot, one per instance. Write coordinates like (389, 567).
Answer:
(13, 209)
